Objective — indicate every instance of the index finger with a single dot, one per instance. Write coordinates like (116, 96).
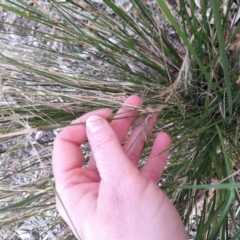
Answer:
(67, 155)
(125, 117)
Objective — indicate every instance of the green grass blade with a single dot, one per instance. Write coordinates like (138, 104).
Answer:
(182, 35)
(223, 54)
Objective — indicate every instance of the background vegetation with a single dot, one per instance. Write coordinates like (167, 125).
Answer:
(60, 59)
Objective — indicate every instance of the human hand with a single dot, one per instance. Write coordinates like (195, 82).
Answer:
(111, 198)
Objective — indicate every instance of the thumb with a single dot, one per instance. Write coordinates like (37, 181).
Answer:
(111, 161)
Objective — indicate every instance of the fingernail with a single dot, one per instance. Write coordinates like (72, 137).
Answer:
(95, 123)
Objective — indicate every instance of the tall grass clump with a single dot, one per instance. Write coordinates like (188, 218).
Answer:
(60, 59)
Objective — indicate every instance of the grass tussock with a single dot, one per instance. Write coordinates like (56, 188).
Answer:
(60, 59)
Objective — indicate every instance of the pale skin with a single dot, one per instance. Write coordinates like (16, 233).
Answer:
(111, 199)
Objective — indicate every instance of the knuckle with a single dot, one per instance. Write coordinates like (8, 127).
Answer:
(104, 144)
(151, 174)
(133, 155)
